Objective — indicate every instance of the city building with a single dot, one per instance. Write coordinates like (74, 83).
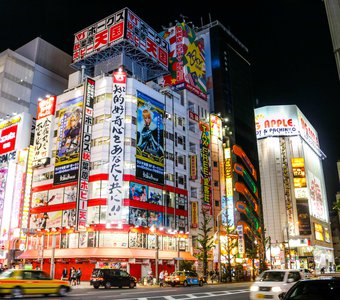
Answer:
(110, 187)
(235, 177)
(31, 72)
(295, 209)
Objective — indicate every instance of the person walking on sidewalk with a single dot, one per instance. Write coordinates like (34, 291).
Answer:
(161, 278)
(78, 276)
(64, 274)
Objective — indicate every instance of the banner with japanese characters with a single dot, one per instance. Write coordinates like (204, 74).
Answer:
(116, 156)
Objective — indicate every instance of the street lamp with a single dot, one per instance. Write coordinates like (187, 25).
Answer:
(154, 231)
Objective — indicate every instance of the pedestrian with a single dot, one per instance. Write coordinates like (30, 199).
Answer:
(64, 274)
(78, 276)
(161, 278)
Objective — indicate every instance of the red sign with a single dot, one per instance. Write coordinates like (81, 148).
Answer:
(46, 107)
(8, 139)
(119, 77)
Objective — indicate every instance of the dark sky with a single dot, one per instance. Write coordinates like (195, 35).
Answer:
(288, 40)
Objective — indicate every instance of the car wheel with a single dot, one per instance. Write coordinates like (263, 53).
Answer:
(120, 287)
(96, 286)
(17, 292)
(107, 285)
(63, 290)
(132, 285)
(185, 283)
(200, 283)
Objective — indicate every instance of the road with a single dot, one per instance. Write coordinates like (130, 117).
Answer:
(239, 291)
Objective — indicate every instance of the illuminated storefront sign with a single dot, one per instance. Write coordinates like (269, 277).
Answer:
(247, 178)
(85, 157)
(43, 131)
(241, 246)
(240, 153)
(318, 231)
(150, 139)
(299, 174)
(116, 156)
(303, 216)
(205, 163)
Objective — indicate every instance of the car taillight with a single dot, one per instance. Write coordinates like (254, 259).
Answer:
(176, 278)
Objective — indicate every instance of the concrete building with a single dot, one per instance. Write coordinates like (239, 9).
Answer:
(295, 207)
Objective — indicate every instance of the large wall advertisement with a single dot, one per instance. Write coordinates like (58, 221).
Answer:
(122, 25)
(316, 197)
(68, 141)
(186, 60)
(116, 158)
(150, 140)
(205, 163)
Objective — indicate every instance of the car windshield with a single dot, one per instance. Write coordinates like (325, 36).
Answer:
(316, 289)
(272, 276)
(6, 274)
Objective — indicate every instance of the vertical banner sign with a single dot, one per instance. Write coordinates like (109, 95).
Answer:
(150, 140)
(115, 187)
(193, 167)
(194, 214)
(239, 230)
(85, 157)
(43, 131)
(205, 163)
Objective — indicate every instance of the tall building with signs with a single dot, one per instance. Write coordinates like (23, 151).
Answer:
(293, 189)
(118, 181)
(236, 197)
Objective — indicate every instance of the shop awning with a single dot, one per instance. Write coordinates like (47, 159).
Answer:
(105, 253)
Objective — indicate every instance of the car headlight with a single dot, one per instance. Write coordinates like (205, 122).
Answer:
(276, 289)
(254, 288)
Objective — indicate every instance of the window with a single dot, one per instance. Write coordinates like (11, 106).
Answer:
(215, 164)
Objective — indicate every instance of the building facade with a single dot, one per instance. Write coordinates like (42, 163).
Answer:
(293, 189)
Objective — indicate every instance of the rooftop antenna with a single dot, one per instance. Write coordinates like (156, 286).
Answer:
(209, 18)
(201, 21)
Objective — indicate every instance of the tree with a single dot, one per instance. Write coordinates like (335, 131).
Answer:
(336, 205)
(205, 239)
(253, 253)
(185, 265)
(229, 245)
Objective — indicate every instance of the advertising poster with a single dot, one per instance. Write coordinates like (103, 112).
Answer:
(68, 141)
(155, 218)
(3, 178)
(155, 196)
(138, 192)
(54, 219)
(82, 239)
(194, 214)
(69, 218)
(150, 140)
(55, 196)
(39, 220)
(317, 205)
(303, 216)
(205, 163)
(39, 199)
(138, 217)
(70, 194)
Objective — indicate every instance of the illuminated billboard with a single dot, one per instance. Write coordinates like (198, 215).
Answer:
(150, 140)
(205, 163)
(68, 141)
(43, 131)
(186, 60)
(121, 26)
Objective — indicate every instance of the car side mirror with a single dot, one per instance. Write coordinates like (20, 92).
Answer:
(282, 295)
(290, 280)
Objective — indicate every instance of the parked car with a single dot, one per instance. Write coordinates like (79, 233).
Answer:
(325, 288)
(184, 278)
(112, 278)
(17, 283)
(271, 283)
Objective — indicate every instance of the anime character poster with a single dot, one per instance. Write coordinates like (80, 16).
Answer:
(39, 220)
(317, 202)
(138, 217)
(155, 196)
(68, 141)
(150, 140)
(69, 218)
(70, 194)
(55, 196)
(138, 192)
(155, 218)
(39, 199)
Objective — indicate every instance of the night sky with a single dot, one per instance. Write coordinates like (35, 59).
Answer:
(288, 40)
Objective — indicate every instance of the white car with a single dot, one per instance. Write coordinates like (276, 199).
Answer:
(271, 283)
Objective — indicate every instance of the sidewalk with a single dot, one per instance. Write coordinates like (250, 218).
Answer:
(86, 284)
